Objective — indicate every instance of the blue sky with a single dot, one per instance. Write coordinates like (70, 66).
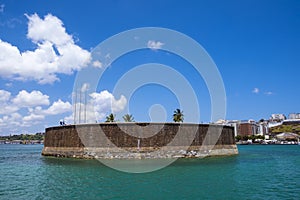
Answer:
(255, 45)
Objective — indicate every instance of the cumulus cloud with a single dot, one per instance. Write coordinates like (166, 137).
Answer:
(97, 64)
(26, 108)
(4, 95)
(5, 104)
(255, 91)
(56, 53)
(105, 101)
(48, 29)
(13, 113)
(33, 117)
(154, 45)
(34, 98)
(11, 121)
(96, 108)
(58, 107)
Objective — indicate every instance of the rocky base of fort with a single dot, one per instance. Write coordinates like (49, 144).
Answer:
(141, 153)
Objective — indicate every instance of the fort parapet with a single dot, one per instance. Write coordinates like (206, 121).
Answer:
(139, 140)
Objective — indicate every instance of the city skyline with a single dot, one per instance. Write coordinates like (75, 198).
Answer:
(255, 46)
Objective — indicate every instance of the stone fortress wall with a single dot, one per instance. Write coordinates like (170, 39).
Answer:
(139, 140)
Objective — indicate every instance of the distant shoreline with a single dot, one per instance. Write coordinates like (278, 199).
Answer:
(23, 142)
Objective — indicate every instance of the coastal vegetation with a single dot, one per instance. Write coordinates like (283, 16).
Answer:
(110, 118)
(178, 115)
(37, 136)
(128, 118)
(249, 137)
(292, 128)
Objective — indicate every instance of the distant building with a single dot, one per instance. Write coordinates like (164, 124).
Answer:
(248, 127)
(278, 117)
(294, 116)
(263, 128)
(234, 123)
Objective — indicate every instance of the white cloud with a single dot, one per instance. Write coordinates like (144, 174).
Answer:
(12, 113)
(105, 102)
(7, 109)
(84, 114)
(85, 87)
(4, 96)
(255, 90)
(11, 121)
(31, 108)
(58, 107)
(269, 93)
(6, 106)
(2, 8)
(154, 45)
(97, 63)
(33, 117)
(97, 108)
(48, 29)
(11, 23)
(32, 99)
(8, 84)
(43, 64)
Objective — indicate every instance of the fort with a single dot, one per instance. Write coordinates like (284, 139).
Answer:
(139, 140)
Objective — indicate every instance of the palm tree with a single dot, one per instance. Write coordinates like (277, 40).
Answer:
(110, 118)
(128, 118)
(178, 115)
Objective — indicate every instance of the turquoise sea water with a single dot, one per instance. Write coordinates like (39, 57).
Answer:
(258, 172)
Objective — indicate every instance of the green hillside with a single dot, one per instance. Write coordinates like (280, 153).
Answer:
(295, 128)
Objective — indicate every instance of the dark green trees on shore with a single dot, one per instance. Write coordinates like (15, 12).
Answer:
(128, 118)
(178, 116)
(37, 136)
(110, 118)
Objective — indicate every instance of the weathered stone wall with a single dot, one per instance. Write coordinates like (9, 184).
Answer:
(124, 140)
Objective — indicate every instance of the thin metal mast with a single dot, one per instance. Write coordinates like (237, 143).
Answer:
(79, 107)
(75, 106)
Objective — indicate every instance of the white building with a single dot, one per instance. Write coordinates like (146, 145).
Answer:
(263, 128)
(233, 123)
(278, 117)
(294, 116)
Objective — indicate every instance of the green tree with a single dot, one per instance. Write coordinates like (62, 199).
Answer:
(245, 137)
(178, 115)
(260, 137)
(110, 118)
(128, 118)
(238, 137)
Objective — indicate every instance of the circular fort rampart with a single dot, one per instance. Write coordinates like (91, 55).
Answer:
(136, 140)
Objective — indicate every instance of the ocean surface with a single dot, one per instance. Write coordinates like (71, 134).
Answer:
(258, 172)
